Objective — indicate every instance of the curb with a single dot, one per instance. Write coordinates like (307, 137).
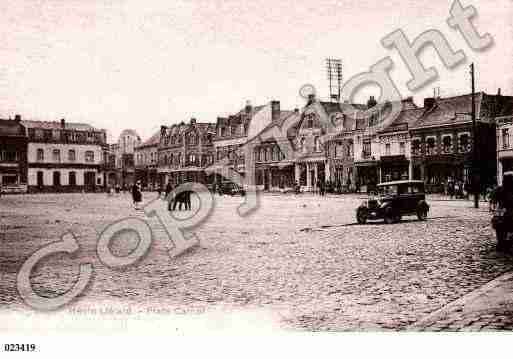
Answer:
(459, 304)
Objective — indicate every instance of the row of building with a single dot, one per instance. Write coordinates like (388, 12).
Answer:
(347, 145)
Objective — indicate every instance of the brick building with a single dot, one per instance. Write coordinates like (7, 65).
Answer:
(184, 151)
(13, 156)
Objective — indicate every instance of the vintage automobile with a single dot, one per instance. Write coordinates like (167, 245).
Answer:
(395, 199)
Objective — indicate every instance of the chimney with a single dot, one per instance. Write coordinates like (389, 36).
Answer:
(429, 102)
(275, 110)
(63, 123)
(499, 92)
(193, 121)
(17, 118)
(248, 107)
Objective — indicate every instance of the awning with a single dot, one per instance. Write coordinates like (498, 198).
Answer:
(366, 164)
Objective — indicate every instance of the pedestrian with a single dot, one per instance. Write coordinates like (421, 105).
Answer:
(179, 199)
(136, 194)
(187, 200)
(450, 188)
(168, 195)
(297, 188)
(322, 187)
(467, 189)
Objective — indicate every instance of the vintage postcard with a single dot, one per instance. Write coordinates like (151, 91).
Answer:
(197, 167)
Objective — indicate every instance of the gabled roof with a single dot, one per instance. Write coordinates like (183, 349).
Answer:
(449, 111)
(11, 128)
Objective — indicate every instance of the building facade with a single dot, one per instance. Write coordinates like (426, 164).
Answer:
(504, 146)
(442, 140)
(13, 156)
(64, 157)
(146, 162)
(124, 151)
(184, 152)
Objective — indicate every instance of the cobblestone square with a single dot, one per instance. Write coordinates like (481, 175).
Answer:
(300, 258)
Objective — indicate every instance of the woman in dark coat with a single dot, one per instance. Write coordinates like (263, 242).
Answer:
(136, 194)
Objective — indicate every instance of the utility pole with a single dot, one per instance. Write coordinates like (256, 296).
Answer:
(334, 72)
(475, 184)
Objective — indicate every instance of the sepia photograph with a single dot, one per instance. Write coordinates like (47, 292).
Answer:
(185, 168)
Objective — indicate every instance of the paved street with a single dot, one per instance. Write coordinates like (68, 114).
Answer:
(302, 259)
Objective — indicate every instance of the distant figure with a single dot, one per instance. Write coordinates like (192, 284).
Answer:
(187, 200)
(467, 188)
(297, 188)
(167, 194)
(322, 188)
(137, 194)
(450, 189)
(180, 198)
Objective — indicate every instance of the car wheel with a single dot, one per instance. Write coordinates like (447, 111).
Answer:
(361, 216)
(389, 218)
(397, 218)
(422, 214)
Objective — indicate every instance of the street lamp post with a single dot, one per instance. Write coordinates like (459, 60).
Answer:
(475, 184)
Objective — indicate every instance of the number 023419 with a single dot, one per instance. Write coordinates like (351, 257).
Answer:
(19, 347)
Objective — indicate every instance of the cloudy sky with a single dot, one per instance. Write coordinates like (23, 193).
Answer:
(138, 64)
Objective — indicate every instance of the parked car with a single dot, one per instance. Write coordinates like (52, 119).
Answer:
(231, 188)
(394, 200)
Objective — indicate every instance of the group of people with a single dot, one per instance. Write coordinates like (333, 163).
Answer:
(457, 189)
(178, 199)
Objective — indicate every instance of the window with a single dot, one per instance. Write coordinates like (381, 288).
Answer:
(415, 147)
(56, 156)
(464, 143)
(366, 152)
(40, 177)
(402, 148)
(56, 135)
(72, 178)
(56, 178)
(505, 138)
(89, 156)
(40, 154)
(446, 144)
(71, 155)
(387, 149)
(302, 145)
(431, 142)
(317, 144)
(9, 156)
